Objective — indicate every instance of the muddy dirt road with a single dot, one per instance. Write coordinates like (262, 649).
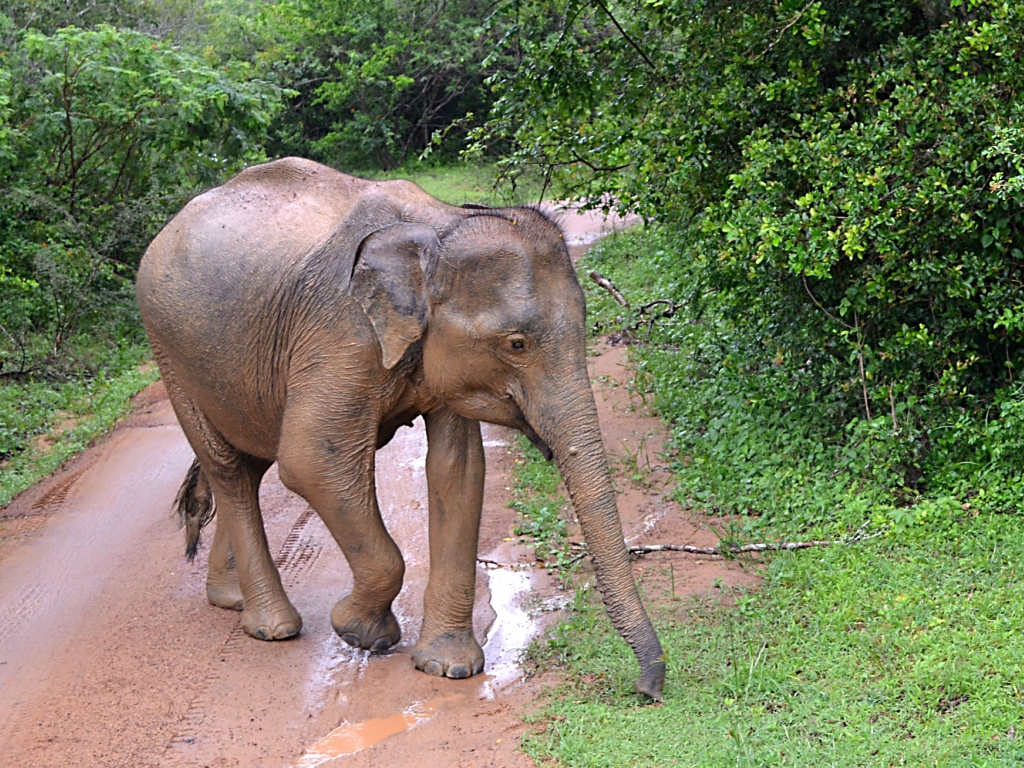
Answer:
(111, 656)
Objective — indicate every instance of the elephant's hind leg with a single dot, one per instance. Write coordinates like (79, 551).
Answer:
(222, 587)
(267, 614)
(234, 478)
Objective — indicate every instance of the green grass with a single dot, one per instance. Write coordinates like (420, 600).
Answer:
(35, 408)
(537, 497)
(464, 183)
(883, 653)
(905, 649)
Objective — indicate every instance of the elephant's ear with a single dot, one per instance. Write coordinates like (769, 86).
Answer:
(387, 281)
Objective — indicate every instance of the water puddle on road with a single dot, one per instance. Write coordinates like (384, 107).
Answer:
(349, 738)
(512, 630)
(513, 627)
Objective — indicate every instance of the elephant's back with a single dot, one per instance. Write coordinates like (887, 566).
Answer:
(230, 245)
(276, 211)
(215, 286)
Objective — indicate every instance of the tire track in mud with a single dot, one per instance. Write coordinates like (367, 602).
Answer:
(27, 525)
(58, 494)
(33, 596)
(297, 556)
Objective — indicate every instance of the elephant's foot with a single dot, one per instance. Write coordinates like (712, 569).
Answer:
(275, 620)
(452, 654)
(223, 591)
(371, 632)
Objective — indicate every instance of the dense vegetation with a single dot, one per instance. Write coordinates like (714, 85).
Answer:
(902, 648)
(841, 189)
(834, 198)
(113, 115)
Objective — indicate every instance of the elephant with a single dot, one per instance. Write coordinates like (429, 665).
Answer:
(301, 315)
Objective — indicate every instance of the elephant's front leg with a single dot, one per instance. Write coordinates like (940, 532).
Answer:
(455, 483)
(334, 472)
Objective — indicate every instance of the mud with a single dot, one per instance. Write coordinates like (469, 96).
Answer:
(111, 656)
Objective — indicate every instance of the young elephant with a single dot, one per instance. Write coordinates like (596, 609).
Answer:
(300, 315)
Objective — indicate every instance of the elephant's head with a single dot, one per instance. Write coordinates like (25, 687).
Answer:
(502, 321)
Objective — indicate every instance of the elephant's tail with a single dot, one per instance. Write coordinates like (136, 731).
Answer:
(195, 506)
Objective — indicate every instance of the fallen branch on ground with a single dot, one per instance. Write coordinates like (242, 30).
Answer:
(726, 549)
(605, 283)
(648, 318)
(729, 548)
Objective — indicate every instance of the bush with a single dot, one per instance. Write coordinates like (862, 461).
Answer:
(842, 189)
(769, 436)
(104, 134)
(375, 80)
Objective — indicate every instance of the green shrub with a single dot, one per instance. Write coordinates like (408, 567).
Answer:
(375, 80)
(104, 134)
(842, 190)
(771, 436)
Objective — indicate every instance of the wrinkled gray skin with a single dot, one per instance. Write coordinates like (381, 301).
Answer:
(300, 315)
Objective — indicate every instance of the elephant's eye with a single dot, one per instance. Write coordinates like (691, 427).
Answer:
(515, 343)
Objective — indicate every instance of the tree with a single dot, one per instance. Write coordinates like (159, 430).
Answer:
(856, 163)
(104, 134)
(376, 80)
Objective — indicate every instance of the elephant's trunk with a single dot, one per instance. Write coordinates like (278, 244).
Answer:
(570, 427)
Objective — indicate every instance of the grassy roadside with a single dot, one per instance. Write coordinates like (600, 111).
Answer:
(905, 649)
(464, 183)
(886, 653)
(538, 500)
(43, 423)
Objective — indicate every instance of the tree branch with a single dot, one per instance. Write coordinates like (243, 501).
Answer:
(600, 4)
(782, 32)
(727, 549)
(605, 283)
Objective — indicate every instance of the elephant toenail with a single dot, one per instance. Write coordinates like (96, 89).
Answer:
(351, 638)
(261, 633)
(478, 666)
(458, 671)
(434, 668)
(380, 646)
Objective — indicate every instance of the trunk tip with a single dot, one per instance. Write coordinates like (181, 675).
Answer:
(652, 680)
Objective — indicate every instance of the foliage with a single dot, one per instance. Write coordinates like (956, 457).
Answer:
(43, 423)
(104, 134)
(847, 176)
(900, 649)
(375, 80)
(877, 654)
(108, 134)
(769, 436)
(160, 18)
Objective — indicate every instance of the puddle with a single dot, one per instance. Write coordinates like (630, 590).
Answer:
(513, 627)
(349, 738)
(338, 666)
(585, 239)
(647, 524)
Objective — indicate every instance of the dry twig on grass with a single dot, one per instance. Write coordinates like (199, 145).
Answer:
(648, 318)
